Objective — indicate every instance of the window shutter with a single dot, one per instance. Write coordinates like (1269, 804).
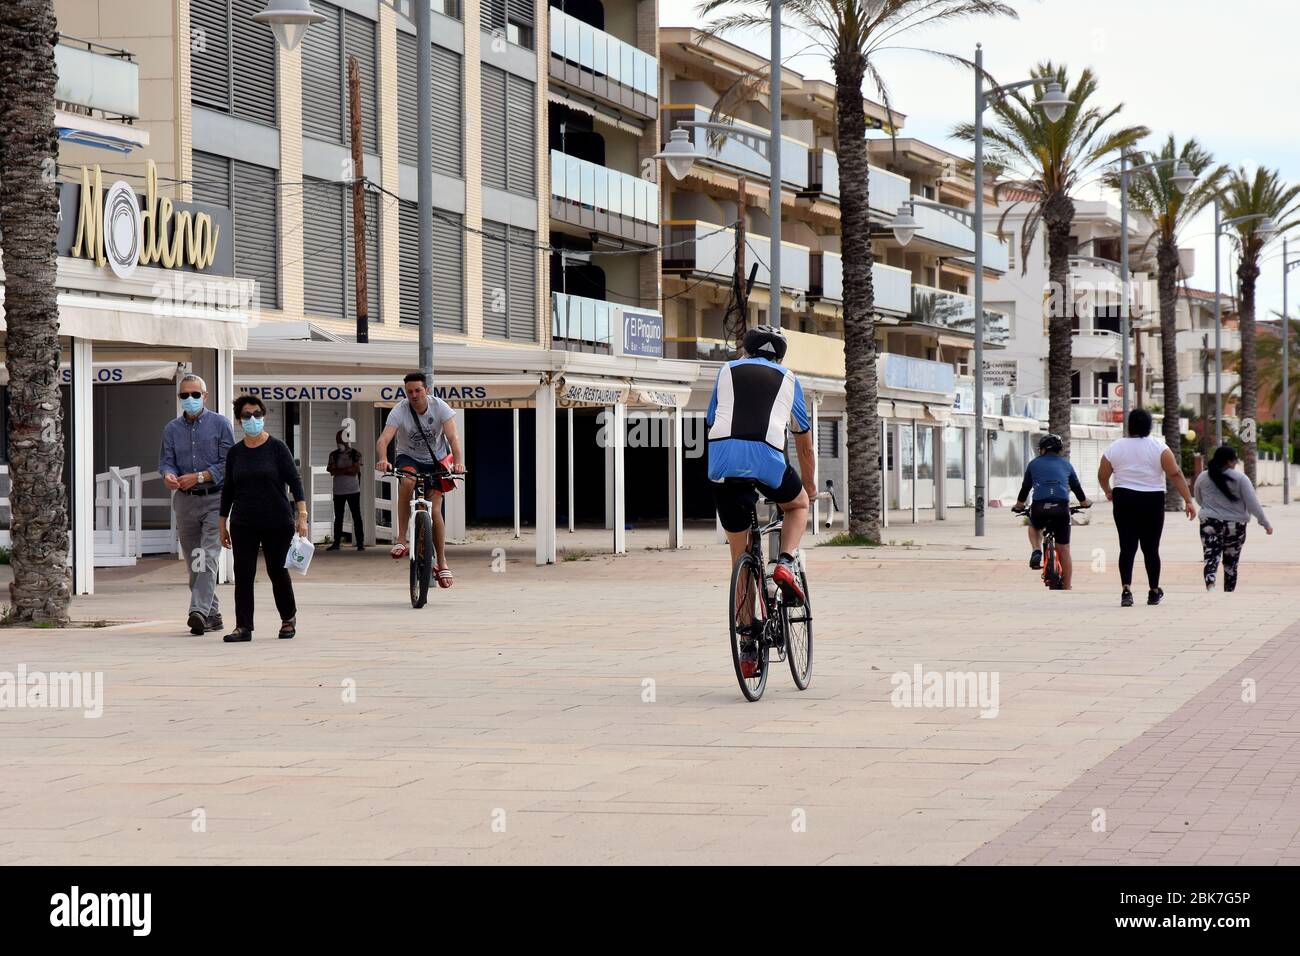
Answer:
(494, 126)
(492, 15)
(522, 306)
(828, 438)
(409, 257)
(359, 41)
(520, 12)
(210, 53)
(496, 281)
(448, 113)
(322, 82)
(324, 266)
(257, 239)
(521, 118)
(253, 63)
(211, 176)
(448, 272)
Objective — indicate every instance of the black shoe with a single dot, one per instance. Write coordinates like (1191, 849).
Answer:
(238, 636)
(1154, 596)
(214, 623)
(196, 622)
(332, 547)
(1126, 599)
(1036, 559)
(361, 547)
(288, 628)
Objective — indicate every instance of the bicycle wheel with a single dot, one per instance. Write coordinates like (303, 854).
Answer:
(748, 619)
(421, 558)
(797, 622)
(1051, 570)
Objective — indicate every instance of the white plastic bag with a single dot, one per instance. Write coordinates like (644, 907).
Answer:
(299, 556)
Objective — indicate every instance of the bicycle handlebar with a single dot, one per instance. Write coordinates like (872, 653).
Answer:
(1074, 510)
(392, 472)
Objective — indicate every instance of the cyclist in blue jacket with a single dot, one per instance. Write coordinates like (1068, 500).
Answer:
(1051, 478)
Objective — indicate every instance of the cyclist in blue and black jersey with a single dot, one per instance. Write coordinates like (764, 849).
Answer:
(754, 400)
(1051, 479)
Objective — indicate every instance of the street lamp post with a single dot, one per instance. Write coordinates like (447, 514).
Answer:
(289, 20)
(1287, 265)
(679, 155)
(1183, 179)
(1265, 229)
(1053, 103)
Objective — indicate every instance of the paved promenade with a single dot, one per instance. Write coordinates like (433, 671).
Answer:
(588, 713)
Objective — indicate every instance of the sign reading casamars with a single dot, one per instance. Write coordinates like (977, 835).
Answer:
(122, 229)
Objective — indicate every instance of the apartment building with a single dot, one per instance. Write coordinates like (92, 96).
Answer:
(1195, 326)
(924, 309)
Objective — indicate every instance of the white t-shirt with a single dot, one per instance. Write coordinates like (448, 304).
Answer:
(1136, 462)
(409, 440)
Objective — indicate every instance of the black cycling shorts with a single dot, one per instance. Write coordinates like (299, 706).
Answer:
(1052, 516)
(736, 498)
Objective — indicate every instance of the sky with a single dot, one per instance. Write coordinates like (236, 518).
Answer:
(1224, 73)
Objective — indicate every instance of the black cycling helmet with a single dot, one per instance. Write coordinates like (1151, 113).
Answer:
(763, 341)
(1051, 443)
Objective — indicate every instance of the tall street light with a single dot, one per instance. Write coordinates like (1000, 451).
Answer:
(1183, 180)
(679, 155)
(1266, 229)
(1287, 265)
(289, 20)
(1053, 103)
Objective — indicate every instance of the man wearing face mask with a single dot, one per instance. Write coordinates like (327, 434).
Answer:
(193, 465)
(345, 466)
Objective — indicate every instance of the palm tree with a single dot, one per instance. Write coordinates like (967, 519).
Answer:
(29, 210)
(1152, 192)
(850, 33)
(1049, 161)
(1261, 194)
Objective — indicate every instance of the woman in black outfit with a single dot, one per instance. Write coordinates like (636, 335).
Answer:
(253, 501)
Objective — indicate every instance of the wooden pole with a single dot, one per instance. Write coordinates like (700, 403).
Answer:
(742, 300)
(358, 202)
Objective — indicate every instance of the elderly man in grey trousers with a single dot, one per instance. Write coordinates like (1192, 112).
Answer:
(193, 465)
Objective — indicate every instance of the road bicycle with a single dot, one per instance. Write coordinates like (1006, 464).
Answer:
(762, 621)
(1053, 576)
(419, 529)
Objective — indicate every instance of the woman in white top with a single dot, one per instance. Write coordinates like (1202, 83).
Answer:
(1137, 466)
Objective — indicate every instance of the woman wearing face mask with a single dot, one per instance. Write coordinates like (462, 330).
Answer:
(256, 516)
(1227, 500)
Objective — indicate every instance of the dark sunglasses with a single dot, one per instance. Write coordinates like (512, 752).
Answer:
(190, 395)
(245, 416)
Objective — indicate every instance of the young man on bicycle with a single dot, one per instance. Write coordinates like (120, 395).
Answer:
(426, 440)
(753, 401)
(1051, 478)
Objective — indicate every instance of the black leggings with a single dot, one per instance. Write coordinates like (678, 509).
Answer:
(1139, 519)
(274, 545)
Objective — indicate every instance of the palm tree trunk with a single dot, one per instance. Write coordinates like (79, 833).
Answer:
(1247, 274)
(29, 211)
(1167, 259)
(860, 384)
(1058, 218)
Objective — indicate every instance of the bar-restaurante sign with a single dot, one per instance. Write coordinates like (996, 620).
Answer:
(121, 229)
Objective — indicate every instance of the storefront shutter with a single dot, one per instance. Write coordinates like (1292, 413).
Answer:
(257, 238)
(521, 110)
(496, 282)
(322, 77)
(324, 264)
(253, 63)
(494, 127)
(522, 298)
(372, 255)
(210, 53)
(359, 41)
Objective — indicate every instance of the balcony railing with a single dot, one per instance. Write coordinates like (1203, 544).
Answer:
(892, 286)
(746, 157)
(887, 191)
(581, 324)
(948, 230)
(956, 313)
(699, 349)
(599, 187)
(913, 374)
(704, 248)
(602, 54)
(97, 78)
(824, 173)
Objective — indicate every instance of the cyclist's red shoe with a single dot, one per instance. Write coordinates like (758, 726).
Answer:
(786, 579)
(749, 665)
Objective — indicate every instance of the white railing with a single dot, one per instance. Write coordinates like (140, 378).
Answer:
(592, 186)
(386, 509)
(603, 54)
(119, 516)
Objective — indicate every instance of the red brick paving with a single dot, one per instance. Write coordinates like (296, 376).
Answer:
(1213, 783)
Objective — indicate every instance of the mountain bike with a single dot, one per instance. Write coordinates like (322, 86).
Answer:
(419, 529)
(762, 621)
(1053, 577)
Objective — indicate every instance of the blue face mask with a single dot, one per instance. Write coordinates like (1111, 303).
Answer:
(192, 406)
(252, 426)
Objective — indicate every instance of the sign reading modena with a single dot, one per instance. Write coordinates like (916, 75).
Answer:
(112, 228)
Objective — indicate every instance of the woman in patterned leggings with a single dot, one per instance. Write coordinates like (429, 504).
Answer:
(1227, 500)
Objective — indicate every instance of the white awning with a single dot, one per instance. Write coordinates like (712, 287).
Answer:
(573, 390)
(134, 320)
(940, 413)
(109, 372)
(591, 110)
(1010, 424)
(458, 391)
(908, 410)
(659, 396)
